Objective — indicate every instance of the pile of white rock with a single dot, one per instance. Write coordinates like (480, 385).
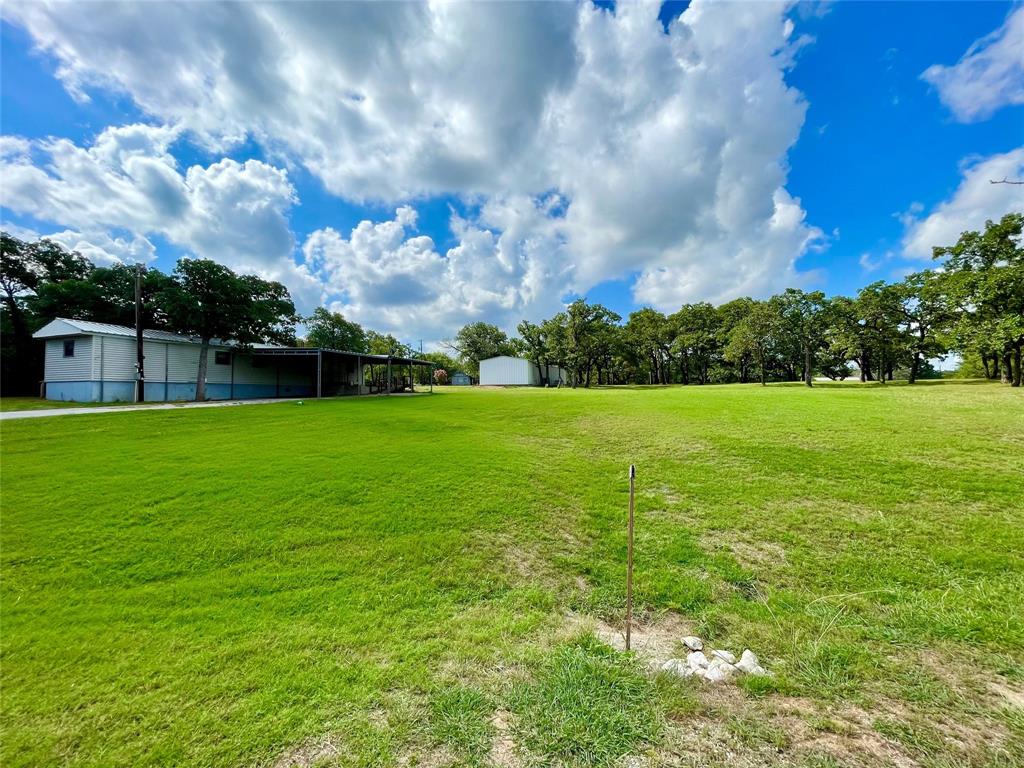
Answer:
(721, 666)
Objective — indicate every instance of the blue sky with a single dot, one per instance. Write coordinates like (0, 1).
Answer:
(531, 154)
(877, 138)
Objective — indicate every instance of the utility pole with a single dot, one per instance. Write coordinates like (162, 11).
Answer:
(140, 375)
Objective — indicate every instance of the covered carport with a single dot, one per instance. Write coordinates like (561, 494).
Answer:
(334, 372)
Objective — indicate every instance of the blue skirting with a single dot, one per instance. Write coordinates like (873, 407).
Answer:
(159, 391)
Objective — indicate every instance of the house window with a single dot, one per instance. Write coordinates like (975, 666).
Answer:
(69, 347)
(222, 358)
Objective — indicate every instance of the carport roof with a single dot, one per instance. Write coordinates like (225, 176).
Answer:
(270, 351)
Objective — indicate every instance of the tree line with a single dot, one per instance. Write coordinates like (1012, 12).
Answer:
(200, 298)
(41, 281)
(972, 304)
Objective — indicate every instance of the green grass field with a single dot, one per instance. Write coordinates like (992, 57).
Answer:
(410, 581)
(38, 404)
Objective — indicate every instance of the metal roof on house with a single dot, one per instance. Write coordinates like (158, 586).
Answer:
(64, 327)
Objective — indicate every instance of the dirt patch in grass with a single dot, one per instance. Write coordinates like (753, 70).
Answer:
(1010, 695)
(525, 563)
(653, 641)
(309, 753)
(529, 562)
(757, 554)
(732, 729)
(503, 749)
(845, 734)
(438, 757)
(985, 690)
(858, 749)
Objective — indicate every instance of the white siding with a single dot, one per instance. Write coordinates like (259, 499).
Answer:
(215, 374)
(112, 358)
(77, 368)
(176, 363)
(508, 371)
(115, 358)
(182, 362)
(156, 360)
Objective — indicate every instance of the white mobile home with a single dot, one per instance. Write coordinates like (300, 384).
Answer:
(96, 362)
(517, 371)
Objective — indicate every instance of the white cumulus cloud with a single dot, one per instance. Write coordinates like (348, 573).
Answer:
(102, 248)
(591, 145)
(975, 200)
(385, 275)
(128, 180)
(990, 75)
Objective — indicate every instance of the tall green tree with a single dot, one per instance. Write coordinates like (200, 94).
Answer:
(924, 316)
(880, 309)
(586, 338)
(608, 346)
(479, 341)
(556, 339)
(25, 270)
(105, 295)
(648, 334)
(982, 282)
(697, 339)
(753, 336)
(730, 315)
(535, 345)
(803, 319)
(385, 344)
(330, 330)
(846, 335)
(208, 300)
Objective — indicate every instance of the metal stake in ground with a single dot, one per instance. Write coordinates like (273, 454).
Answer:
(629, 557)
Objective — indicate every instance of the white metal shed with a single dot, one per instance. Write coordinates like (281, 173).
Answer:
(516, 371)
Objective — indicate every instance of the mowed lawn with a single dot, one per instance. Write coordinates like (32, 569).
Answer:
(410, 580)
(39, 404)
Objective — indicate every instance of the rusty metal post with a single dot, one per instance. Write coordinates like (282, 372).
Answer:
(629, 557)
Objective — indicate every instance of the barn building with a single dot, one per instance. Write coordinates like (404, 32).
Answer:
(517, 371)
(95, 362)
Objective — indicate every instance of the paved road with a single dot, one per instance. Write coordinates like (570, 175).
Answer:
(126, 408)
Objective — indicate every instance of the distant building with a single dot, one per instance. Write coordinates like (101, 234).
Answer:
(517, 371)
(95, 362)
(461, 379)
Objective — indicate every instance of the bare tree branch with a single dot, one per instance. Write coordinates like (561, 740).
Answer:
(1005, 181)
